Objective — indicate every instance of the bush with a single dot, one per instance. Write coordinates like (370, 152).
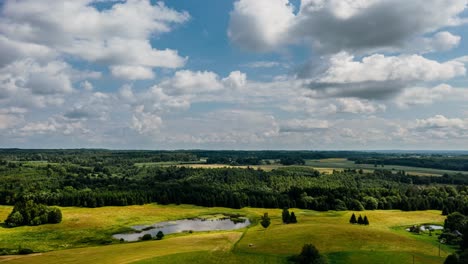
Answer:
(146, 237)
(159, 235)
(25, 251)
(309, 255)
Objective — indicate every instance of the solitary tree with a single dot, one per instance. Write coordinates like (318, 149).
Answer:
(292, 218)
(265, 220)
(366, 221)
(353, 219)
(159, 235)
(309, 255)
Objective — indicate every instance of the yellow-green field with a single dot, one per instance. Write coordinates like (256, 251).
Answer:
(383, 241)
(322, 165)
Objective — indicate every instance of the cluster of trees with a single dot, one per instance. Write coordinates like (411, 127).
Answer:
(106, 178)
(457, 222)
(159, 236)
(288, 218)
(360, 220)
(30, 213)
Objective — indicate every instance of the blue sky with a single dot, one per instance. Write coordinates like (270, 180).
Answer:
(239, 74)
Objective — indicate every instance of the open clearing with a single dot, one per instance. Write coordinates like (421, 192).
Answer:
(322, 165)
(336, 163)
(384, 239)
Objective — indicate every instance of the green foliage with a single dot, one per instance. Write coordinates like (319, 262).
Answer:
(159, 235)
(265, 220)
(293, 218)
(286, 216)
(309, 255)
(95, 178)
(455, 221)
(55, 215)
(30, 213)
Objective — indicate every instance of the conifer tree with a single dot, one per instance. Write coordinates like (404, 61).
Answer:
(360, 220)
(292, 218)
(366, 221)
(265, 220)
(353, 219)
(286, 216)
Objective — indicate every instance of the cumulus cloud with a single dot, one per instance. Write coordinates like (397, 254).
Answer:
(336, 25)
(426, 96)
(146, 123)
(236, 79)
(260, 25)
(115, 36)
(132, 72)
(377, 76)
(441, 127)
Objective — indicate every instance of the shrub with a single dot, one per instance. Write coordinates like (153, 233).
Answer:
(146, 237)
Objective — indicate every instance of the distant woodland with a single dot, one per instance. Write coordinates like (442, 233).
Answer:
(95, 178)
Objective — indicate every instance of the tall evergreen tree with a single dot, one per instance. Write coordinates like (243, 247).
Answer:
(366, 221)
(265, 220)
(286, 216)
(360, 220)
(353, 220)
(292, 218)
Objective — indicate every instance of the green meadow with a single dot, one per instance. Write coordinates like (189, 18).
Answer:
(84, 236)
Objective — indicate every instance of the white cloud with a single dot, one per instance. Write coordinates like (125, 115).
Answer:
(132, 72)
(441, 127)
(190, 82)
(54, 126)
(146, 123)
(425, 96)
(344, 69)
(115, 36)
(10, 117)
(260, 25)
(356, 106)
(87, 86)
(303, 126)
(236, 79)
(377, 76)
(336, 25)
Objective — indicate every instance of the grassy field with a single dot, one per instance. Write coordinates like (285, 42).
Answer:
(323, 165)
(83, 229)
(347, 164)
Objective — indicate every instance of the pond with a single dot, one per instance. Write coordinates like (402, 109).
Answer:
(428, 227)
(185, 225)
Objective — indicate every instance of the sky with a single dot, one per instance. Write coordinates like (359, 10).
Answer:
(234, 74)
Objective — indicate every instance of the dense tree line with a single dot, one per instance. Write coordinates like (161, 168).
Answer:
(116, 180)
(459, 163)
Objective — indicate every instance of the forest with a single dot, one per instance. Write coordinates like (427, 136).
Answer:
(96, 178)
